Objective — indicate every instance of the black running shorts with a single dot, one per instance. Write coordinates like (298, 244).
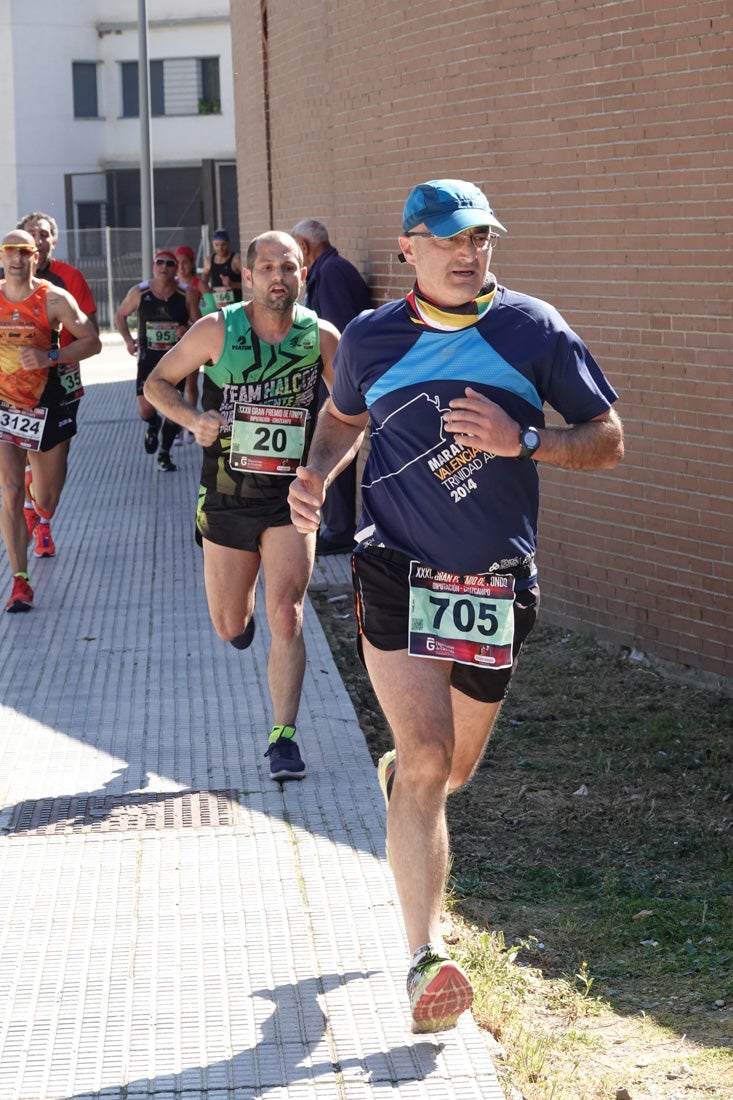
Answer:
(60, 425)
(145, 368)
(230, 521)
(381, 593)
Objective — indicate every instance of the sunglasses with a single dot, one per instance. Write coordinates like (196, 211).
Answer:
(11, 248)
(166, 263)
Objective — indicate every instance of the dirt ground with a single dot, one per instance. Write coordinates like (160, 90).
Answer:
(597, 835)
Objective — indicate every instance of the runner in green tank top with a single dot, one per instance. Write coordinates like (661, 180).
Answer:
(252, 372)
(265, 358)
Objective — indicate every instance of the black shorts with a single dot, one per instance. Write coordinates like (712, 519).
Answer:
(61, 415)
(238, 523)
(381, 593)
(60, 425)
(145, 368)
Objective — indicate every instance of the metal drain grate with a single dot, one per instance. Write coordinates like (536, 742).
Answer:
(135, 812)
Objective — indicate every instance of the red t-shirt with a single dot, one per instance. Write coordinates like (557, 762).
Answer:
(71, 279)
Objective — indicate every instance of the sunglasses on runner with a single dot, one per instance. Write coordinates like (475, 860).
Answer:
(10, 248)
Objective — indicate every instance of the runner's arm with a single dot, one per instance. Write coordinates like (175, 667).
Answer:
(79, 288)
(83, 328)
(204, 287)
(192, 304)
(336, 441)
(596, 444)
(61, 309)
(236, 284)
(330, 337)
(203, 342)
(129, 305)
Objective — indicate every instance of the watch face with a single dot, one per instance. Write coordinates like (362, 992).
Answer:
(531, 438)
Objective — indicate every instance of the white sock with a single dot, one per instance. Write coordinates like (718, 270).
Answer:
(427, 949)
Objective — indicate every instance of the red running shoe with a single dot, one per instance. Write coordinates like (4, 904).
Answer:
(21, 598)
(45, 547)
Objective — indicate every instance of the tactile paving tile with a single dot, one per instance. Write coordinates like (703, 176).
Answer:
(173, 924)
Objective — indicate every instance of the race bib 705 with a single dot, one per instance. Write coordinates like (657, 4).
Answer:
(468, 619)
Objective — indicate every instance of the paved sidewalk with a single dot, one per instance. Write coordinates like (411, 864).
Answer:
(172, 922)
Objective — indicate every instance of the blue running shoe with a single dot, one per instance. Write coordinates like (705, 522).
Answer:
(285, 759)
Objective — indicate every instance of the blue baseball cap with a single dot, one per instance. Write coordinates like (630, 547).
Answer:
(220, 235)
(448, 207)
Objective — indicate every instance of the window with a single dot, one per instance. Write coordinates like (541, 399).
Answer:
(210, 98)
(84, 77)
(130, 90)
(178, 86)
(157, 96)
(90, 219)
(128, 73)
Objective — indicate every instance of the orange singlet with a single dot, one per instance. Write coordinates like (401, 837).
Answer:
(23, 325)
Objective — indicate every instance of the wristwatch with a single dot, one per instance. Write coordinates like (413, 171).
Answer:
(53, 355)
(529, 441)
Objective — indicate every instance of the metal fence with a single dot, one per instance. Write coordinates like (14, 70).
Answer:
(111, 259)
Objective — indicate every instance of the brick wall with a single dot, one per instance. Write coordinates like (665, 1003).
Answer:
(602, 135)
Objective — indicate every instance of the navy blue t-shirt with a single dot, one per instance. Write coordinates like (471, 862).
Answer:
(459, 508)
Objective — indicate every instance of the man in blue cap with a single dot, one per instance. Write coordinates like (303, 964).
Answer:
(453, 379)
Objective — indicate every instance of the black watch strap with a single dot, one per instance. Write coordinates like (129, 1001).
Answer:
(529, 441)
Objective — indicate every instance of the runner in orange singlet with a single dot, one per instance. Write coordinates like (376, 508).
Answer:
(32, 312)
(63, 389)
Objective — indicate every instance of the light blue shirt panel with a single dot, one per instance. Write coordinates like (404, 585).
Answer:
(464, 355)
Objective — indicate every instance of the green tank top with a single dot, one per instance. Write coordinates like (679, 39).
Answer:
(252, 372)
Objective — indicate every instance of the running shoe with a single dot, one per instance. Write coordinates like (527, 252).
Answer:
(164, 462)
(439, 993)
(31, 519)
(178, 441)
(21, 598)
(151, 436)
(45, 547)
(285, 759)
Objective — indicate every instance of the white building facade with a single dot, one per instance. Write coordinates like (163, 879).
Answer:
(70, 120)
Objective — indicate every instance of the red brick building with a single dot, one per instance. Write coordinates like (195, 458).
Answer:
(602, 134)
